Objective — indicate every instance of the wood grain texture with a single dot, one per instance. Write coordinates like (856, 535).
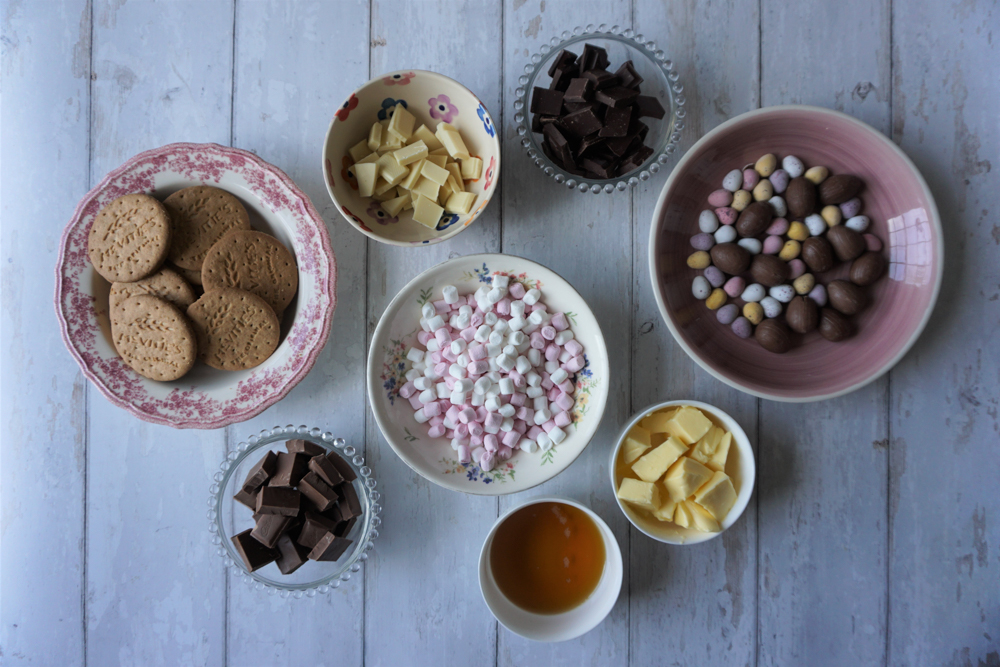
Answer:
(944, 576)
(43, 395)
(699, 602)
(422, 601)
(822, 467)
(155, 588)
(540, 217)
(282, 107)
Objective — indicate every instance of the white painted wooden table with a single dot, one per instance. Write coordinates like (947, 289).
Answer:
(874, 535)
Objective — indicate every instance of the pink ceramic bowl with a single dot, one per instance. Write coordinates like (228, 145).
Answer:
(903, 215)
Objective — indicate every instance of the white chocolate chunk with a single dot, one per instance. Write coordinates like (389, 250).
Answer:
(460, 202)
(375, 136)
(410, 153)
(443, 152)
(412, 176)
(401, 123)
(456, 172)
(366, 174)
(424, 134)
(394, 206)
(453, 142)
(426, 212)
(391, 170)
(439, 160)
(426, 188)
(371, 157)
(434, 173)
(472, 169)
(359, 150)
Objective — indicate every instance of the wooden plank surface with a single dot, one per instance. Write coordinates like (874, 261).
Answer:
(42, 404)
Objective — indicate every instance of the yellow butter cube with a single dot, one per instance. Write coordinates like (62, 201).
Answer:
(424, 134)
(426, 212)
(666, 509)
(689, 424)
(657, 422)
(717, 495)
(472, 169)
(651, 466)
(391, 170)
(394, 206)
(375, 136)
(426, 188)
(452, 141)
(460, 202)
(713, 448)
(366, 174)
(635, 445)
(433, 172)
(638, 493)
(412, 176)
(682, 516)
(410, 153)
(684, 478)
(359, 150)
(702, 520)
(401, 123)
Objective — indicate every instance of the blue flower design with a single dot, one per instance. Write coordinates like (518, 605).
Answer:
(483, 274)
(446, 221)
(585, 371)
(472, 472)
(387, 104)
(487, 122)
(487, 480)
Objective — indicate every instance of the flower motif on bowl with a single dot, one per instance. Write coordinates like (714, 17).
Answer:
(489, 172)
(399, 78)
(346, 174)
(388, 104)
(502, 474)
(381, 217)
(345, 110)
(487, 121)
(446, 221)
(442, 109)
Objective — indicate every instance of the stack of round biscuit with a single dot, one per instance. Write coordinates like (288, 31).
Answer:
(152, 252)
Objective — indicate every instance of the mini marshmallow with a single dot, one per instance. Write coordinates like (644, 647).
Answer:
(432, 409)
(506, 387)
(436, 323)
(531, 297)
(500, 282)
(412, 375)
(533, 379)
(557, 435)
(492, 422)
(492, 403)
(427, 396)
(522, 365)
(534, 392)
(562, 419)
(464, 455)
(494, 295)
(542, 416)
(421, 415)
(458, 346)
(476, 429)
(516, 323)
(464, 386)
(477, 352)
(544, 442)
(433, 345)
(501, 327)
(503, 306)
(415, 355)
(422, 383)
(505, 362)
(477, 399)
(538, 317)
(424, 324)
(478, 367)
(407, 390)
(487, 461)
(517, 308)
(559, 376)
(559, 322)
(565, 402)
(551, 366)
(490, 442)
(529, 446)
(535, 357)
(436, 431)
(482, 385)
(463, 359)
(509, 439)
(457, 397)
(456, 371)
(507, 410)
(516, 338)
(450, 294)
(428, 310)
(465, 415)
(517, 399)
(483, 334)
(507, 424)
(442, 391)
(490, 319)
(563, 337)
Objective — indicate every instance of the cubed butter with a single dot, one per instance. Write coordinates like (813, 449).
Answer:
(460, 203)
(684, 478)
(689, 424)
(657, 422)
(651, 466)
(717, 495)
(412, 176)
(401, 123)
(713, 448)
(359, 150)
(639, 493)
(452, 141)
(701, 519)
(426, 188)
(666, 509)
(366, 173)
(375, 136)
(682, 516)
(434, 173)
(394, 206)
(635, 445)
(426, 212)
(472, 169)
(424, 134)
(391, 170)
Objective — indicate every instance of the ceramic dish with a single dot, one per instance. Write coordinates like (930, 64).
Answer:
(205, 397)
(903, 215)
(554, 627)
(740, 467)
(434, 458)
(661, 81)
(432, 98)
(226, 517)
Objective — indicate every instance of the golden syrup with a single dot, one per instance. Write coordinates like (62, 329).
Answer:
(547, 558)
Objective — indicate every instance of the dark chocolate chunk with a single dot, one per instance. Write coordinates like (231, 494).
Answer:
(322, 466)
(635, 160)
(248, 498)
(581, 123)
(601, 79)
(560, 80)
(557, 143)
(254, 554)
(649, 107)
(593, 57)
(618, 96)
(616, 122)
(589, 142)
(563, 59)
(343, 467)
(546, 102)
(304, 447)
(319, 492)
(334, 514)
(261, 472)
(278, 500)
(314, 527)
(269, 528)
(628, 76)
(344, 527)
(292, 555)
(290, 469)
(579, 91)
(330, 548)
(599, 167)
(570, 107)
(350, 507)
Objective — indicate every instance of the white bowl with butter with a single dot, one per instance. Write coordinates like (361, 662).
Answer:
(739, 466)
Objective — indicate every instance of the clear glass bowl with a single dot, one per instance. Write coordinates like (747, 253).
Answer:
(660, 81)
(226, 517)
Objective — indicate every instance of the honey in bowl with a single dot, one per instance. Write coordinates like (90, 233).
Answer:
(547, 558)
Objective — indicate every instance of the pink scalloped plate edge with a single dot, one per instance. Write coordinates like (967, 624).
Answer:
(219, 413)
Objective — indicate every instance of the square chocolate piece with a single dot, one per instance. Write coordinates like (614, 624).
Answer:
(628, 76)
(292, 554)
(330, 548)
(582, 122)
(593, 57)
(328, 472)
(318, 491)
(291, 468)
(560, 80)
(546, 102)
(344, 527)
(269, 528)
(579, 91)
(342, 466)
(350, 507)
(616, 122)
(648, 106)
(248, 498)
(261, 472)
(562, 60)
(557, 143)
(304, 447)
(281, 500)
(601, 79)
(619, 96)
(314, 527)
(254, 554)
(334, 514)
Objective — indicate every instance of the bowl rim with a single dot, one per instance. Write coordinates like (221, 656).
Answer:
(612, 559)
(746, 484)
(372, 381)
(457, 228)
(933, 216)
(674, 120)
(310, 357)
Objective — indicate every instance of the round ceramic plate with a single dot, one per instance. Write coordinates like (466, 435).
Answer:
(205, 397)
(433, 457)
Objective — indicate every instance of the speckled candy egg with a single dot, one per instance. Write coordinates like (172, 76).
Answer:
(779, 206)
(753, 312)
(720, 198)
(742, 327)
(752, 245)
(741, 199)
(753, 293)
(766, 165)
(793, 166)
(714, 276)
(702, 241)
(816, 224)
(779, 226)
(727, 215)
(772, 245)
(818, 294)
(851, 207)
(783, 293)
(700, 288)
(707, 221)
(858, 223)
(763, 190)
(796, 268)
(804, 283)
(734, 286)
(772, 307)
(733, 180)
(727, 313)
(725, 234)
(750, 179)
(779, 179)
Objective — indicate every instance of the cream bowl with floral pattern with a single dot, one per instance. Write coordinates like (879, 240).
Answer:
(434, 458)
(432, 98)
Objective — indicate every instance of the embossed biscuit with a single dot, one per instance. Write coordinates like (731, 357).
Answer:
(165, 283)
(129, 239)
(255, 262)
(201, 215)
(236, 329)
(190, 275)
(154, 337)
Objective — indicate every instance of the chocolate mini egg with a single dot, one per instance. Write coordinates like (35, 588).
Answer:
(867, 269)
(817, 253)
(833, 326)
(846, 297)
(847, 243)
(731, 258)
(802, 315)
(800, 197)
(773, 336)
(768, 270)
(839, 188)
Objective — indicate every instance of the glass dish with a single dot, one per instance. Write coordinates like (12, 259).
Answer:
(660, 80)
(226, 517)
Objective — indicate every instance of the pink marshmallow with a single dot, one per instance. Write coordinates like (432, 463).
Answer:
(462, 431)
(452, 413)
(436, 420)
(517, 379)
(415, 402)
(475, 440)
(510, 438)
(552, 352)
(573, 347)
(449, 355)
(450, 382)
(479, 367)
(466, 415)
(481, 413)
(432, 409)
(487, 461)
(476, 320)
(475, 429)
(525, 413)
(436, 357)
(441, 307)
(549, 425)
(520, 426)
(468, 334)
(517, 399)
(441, 368)
(537, 341)
(477, 352)
(490, 442)
(559, 322)
(443, 336)
(534, 432)
(564, 401)
(575, 364)
(547, 384)
(450, 434)
(464, 454)
(516, 290)
(553, 393)
(563, 419)
(502, 306)
(548, 333)
(567, 387)
(436, 431)
(423, 337)
(493, 420)
(504, 453)
(407, 390)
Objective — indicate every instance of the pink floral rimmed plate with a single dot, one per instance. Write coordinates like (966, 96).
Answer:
(204, 398)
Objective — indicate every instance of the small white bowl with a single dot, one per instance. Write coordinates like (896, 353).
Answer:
(554, 627)
(432, 98)
(740, 467)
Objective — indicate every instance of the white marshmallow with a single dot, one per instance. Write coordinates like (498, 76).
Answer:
(563, 337)
(483, 385)
(456, 371)
(533, 379)
(501, 282)
(422, 384)
(450, 294)
(415, 355)
(442, 391)
(505, 362)
(534, 392)
(516, 323)
(557, 435)
(507, 425)
(535, 357)
(463, 359)
(492, 403)
(412, 374)
(540, 403)
(506, 387)
(544, 443)
(436, 322)
(494, 295)
(507, 410)
(482, 334)
(532, 296)
(458, 346)
(427, 396)
(433, 345)
(490, 319)
(428, 310)
(542, 416)
(559, 376)
(522, 365)
(421, 417)
(457, 398)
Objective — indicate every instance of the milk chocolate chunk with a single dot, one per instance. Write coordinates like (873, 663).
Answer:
(314, 527)
(628, 76)
(582, 122)
(343, 467)
(350, 507)
(269, 528)
(292, 555)
(334, 514)
(563, 60)
(618, 96)
(579, 91)
(328, 472)
(650, 107)
(616, 122)
(330, 548)
(278, 500)
(261, 472)
(546, 102)
(304, 447)
(254, 554)
(291, 468)
(248, 498)
(318, 491)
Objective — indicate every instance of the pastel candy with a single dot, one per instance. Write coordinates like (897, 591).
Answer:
(742, 327)
(771, 306)
(753, 293)
(779, 180)
(727, 313)
(732, 180)
(772, 245)
(858, 223)
(725, 234)
(818, 294)
(778, 204)
(700, 288)
(751, 245)
(714, 276)
(778, 227)
(702, 241)
(793, 166)
(707, 221)
(750, 179)
(798, 267)
(783, 293)
(851, 207)
(720, 198)
(734, 286)
(727, 215)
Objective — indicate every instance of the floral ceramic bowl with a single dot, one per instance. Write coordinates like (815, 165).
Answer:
(433, 457)
(205, 397)
(432, 98)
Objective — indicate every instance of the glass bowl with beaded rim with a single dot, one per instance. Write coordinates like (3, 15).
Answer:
(226, 517)
(660, 80)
